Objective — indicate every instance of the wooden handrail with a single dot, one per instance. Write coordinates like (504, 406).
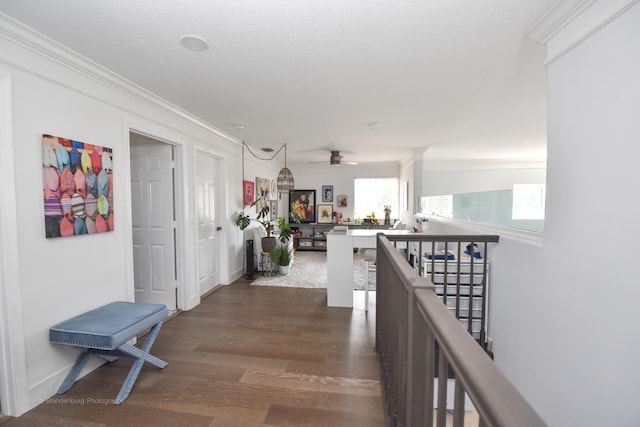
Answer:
(412, 326)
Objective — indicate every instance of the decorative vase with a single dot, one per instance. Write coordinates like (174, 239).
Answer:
(387, 218)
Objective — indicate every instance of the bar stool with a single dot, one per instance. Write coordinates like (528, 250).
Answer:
(370, 267)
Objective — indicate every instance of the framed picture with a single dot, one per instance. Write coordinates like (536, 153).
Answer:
(248, 190)
(273, 208)
(302, 205)
(342, 201)
(325, 214)
(327, 193)
(263, 191)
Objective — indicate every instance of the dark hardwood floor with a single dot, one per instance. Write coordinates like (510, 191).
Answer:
(246, 356)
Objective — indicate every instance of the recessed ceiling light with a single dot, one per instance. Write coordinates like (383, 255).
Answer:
(267, 149)
(194, 43)
(373, 125)
(239, 126)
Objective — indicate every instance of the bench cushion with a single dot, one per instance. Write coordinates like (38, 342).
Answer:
(109, 326)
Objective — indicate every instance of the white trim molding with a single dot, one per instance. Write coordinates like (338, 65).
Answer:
(569, 22)
(13, 368)
(28, 38)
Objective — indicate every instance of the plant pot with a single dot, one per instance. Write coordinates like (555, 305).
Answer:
(268, 243)
(284, 269)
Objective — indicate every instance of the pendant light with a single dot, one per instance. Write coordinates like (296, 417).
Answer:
(285, 177)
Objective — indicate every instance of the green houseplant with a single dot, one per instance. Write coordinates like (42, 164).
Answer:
(281, 256)
(243, 220)
(370, 220)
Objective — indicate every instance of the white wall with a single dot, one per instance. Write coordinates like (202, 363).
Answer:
(314, 176)
(407, 174)
(438, 182)
(50, 280)
(563, 313)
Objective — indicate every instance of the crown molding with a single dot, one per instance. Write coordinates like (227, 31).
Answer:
(569, 22)
(556, 19)
(484, 164)
(30, 39)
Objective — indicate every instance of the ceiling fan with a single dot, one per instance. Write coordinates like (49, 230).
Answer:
(336, 159)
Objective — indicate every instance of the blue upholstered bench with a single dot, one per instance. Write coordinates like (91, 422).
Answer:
(105, 333)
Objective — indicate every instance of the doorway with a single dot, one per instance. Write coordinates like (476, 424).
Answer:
(153, 211)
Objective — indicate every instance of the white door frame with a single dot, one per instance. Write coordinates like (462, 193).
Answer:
(165, 270)
(178, 200)
(13, 366)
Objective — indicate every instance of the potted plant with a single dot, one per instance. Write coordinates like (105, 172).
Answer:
(387, 214)
(262, 218)
(370, 220)
(281, 256)
(268, 242)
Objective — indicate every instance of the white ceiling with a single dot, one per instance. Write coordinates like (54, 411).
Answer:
(456, 76)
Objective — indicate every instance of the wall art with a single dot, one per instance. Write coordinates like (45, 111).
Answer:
(303, 205)
(263, 193)
(77, 182)
(325, 214)
(327, 193)
(248, 190)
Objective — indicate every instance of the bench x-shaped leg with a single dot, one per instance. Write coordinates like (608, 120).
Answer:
(140, 354)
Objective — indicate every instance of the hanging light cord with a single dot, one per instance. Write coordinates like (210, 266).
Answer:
(244, 144)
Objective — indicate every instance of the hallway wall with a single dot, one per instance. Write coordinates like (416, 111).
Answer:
(54, 279)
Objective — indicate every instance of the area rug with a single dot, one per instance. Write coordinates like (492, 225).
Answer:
(309, 270)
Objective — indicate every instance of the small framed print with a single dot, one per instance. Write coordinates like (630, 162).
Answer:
(248, 192)
(327, 193)
(273, 209)
(325, 214)
(342, 201)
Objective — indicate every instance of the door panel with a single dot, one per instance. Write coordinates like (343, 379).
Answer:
(153, 223)
(208, 242)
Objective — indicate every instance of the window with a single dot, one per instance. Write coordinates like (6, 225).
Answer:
(521, 207)
(438, 205)
(373, 194)
(528, 201)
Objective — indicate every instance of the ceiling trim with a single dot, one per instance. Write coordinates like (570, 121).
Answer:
(30, 39)
(569, 22)
(483, 164)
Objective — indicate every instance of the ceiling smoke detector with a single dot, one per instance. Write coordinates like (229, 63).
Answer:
(195, 43)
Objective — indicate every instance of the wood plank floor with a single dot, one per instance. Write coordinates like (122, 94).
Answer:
(246, 356)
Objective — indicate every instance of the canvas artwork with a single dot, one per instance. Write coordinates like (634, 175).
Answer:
(77, 180)
(342, 201)
(263, 193)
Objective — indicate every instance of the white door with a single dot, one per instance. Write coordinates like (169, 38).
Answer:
(154, 225)
(208, 243)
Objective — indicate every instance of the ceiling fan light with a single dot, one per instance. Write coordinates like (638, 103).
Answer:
(285, 181)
